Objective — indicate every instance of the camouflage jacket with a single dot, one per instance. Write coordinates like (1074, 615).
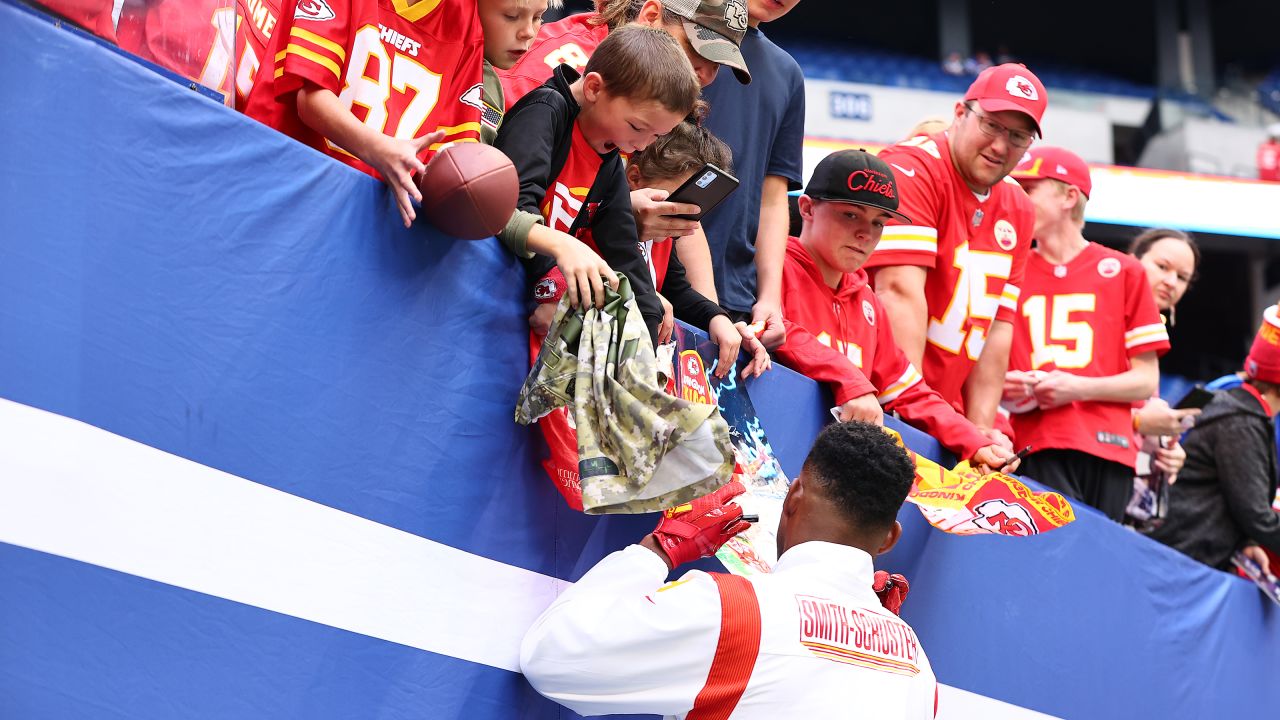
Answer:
(639, 449)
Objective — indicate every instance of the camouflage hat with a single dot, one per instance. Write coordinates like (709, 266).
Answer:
(715, 29)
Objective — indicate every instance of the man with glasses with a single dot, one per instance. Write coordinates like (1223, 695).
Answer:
(949, 279)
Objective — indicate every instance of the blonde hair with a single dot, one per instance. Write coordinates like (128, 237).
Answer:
(1077, 212)
(928, 126)
(642, 64)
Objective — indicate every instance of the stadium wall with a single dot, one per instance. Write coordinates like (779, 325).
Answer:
(257, 456)
(877, 113)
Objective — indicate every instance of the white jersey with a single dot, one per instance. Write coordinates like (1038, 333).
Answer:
(813, 643)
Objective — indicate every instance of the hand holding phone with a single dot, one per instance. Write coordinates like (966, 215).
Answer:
(706, 188)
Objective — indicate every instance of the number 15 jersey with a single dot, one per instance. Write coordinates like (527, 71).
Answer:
(1088, 317)
(975, 252)
(403, 67)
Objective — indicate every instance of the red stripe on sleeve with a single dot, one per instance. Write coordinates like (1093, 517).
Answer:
(736, 651)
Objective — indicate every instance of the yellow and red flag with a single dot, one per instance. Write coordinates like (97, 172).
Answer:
(964, 502)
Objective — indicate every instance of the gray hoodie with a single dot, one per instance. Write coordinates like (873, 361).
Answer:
(1222, 498)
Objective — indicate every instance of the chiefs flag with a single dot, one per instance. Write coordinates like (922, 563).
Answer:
(963, 502)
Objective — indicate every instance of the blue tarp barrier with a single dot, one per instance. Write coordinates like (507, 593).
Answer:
(176, 275)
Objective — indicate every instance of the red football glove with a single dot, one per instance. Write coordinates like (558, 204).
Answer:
(697, 529)
(891, 589)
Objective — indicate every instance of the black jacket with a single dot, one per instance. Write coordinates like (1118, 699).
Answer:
(536, 134)
(1222, 498)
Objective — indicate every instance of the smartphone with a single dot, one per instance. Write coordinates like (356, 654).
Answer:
(1197, 398)
(706, 188)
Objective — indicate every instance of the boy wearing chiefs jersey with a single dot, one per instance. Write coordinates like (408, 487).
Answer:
(837, 329)
(376, 84)
(1085, 344)
(710, 33)
(949, 279)
(566, 138)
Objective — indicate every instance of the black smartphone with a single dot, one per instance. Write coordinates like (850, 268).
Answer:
(1197, 398)
(706, 188)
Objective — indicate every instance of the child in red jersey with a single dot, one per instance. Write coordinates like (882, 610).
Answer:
(375, 84)
(1085, 343)
(509, 29)
(667, 164)
(837, 329)
(566, 139)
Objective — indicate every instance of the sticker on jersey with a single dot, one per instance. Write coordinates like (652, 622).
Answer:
(1109, 267)
(1006, 236)
(735, 15)
(1022, 88)
(314, 10)
(872, 181)
(694, 385)
(869, 312)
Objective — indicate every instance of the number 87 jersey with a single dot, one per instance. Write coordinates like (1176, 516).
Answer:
(403, 67)
(973, 249)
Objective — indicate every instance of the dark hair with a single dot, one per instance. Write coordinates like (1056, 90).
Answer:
(1145, 239)
(616, 13)
(863, 470)
(644, 64)
(685, 149)
(1263, 386)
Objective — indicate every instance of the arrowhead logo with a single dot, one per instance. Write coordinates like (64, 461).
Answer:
(315, 10)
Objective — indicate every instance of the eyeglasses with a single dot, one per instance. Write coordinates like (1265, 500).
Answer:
(1020, 139)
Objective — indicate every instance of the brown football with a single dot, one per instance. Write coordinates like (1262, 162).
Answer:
(469, 190)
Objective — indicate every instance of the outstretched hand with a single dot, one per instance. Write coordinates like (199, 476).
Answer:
(400, 163)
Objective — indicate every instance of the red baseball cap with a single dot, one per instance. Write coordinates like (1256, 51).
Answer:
(1047, 162)
(1010, 86)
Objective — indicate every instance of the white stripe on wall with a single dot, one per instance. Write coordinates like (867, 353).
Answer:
(74, 490)
(71, 489)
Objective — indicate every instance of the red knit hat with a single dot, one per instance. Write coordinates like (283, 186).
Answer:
(1263, 362)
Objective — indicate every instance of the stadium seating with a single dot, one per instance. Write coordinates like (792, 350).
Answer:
(877, 67)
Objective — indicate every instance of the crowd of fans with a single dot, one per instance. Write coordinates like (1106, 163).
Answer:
(912, 286)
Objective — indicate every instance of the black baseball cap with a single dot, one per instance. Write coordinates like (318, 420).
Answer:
(858, 177)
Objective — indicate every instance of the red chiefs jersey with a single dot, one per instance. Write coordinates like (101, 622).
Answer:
(974, 249)
(1088, 317)
(567, 191)
(404, 67)
(217, 43)
(842, 337)
(569, 41)
(658, 255)
(1269, 161)
(92, 15)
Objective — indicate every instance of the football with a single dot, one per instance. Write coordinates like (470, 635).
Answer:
(469, 190)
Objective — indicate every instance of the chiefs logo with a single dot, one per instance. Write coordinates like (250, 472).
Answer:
(1002, 518)
(694, 385)
(1006, 236)
(735, 15)
(315, 10)
(1021, 88)
(869, 312)
(1109, 267)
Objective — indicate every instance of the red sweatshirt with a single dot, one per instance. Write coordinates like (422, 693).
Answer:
(842, 337)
